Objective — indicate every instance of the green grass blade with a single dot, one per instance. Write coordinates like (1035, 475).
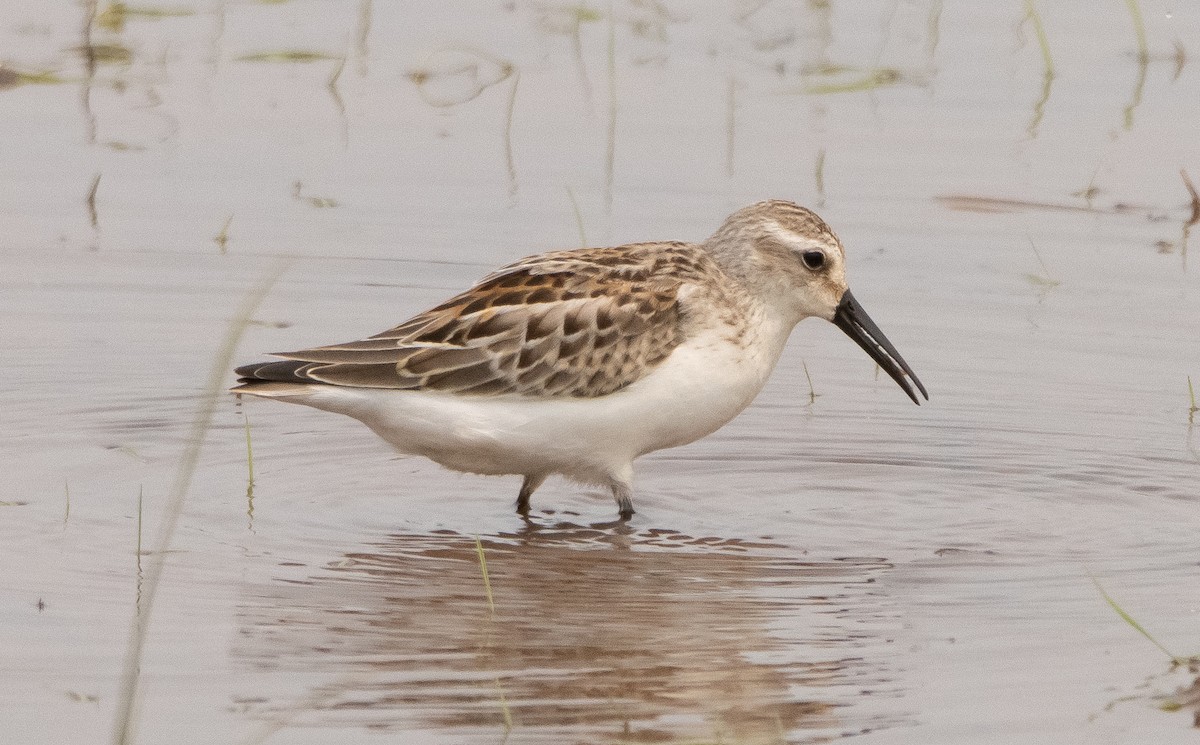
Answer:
(127, 695)
(487, 582)
(1133, 622)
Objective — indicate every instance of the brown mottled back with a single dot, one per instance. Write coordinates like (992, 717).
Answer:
(572, 323)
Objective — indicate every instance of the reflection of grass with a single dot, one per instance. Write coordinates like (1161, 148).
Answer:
(139, 529)
(288, 55)
(1179, 58)
(1175, 659)
(249, 459)
(93, 215)
(505, 711)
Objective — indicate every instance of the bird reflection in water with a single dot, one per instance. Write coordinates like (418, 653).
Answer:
(599, 633)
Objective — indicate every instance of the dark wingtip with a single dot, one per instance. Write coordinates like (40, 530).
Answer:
(282, 371)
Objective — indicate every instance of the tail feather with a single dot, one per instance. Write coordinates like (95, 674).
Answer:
(274, 379)
(282, 371)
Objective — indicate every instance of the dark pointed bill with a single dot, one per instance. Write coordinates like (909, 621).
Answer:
(851, 318)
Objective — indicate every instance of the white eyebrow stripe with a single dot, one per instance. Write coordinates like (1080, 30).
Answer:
(795, 241)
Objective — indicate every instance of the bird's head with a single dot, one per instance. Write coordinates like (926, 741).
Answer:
(795, 263)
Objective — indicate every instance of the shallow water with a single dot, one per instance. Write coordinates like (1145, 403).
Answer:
(834, 565)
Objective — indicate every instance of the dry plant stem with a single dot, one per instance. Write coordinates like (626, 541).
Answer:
(127, 696)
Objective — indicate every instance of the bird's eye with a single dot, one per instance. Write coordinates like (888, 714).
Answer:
(813, 259)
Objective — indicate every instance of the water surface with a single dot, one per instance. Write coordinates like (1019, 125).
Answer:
(834, 563)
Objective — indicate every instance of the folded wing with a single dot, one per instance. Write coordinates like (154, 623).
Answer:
(574, 323)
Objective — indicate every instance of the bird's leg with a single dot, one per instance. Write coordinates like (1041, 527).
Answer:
(624, 496)
(621, 480)
(528, 487)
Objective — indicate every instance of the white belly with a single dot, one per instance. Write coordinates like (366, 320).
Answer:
(703, 384)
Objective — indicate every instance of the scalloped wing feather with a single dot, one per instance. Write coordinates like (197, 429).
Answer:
(572, 323)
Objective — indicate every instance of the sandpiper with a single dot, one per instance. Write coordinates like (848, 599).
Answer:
(578, 362)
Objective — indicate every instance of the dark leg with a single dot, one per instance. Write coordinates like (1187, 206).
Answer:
(528, 487)
(624, 496)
